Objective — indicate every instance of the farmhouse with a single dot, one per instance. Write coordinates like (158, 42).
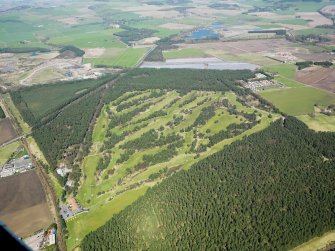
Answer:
(63, 170)
(72, 209)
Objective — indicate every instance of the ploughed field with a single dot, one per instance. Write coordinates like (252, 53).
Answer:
(7, 132)
(23, 206)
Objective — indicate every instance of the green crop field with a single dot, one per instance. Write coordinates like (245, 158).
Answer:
(300, 100)
(173, 131)
(315, 31)
(184, 53)
(119, 57)
(39, 101)
(7, 151)
(90, 39)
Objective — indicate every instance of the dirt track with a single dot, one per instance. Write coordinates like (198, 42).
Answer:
(23, 206)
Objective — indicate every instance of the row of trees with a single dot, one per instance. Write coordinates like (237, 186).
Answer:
(2, 113)
(270, 191)
(305, 64)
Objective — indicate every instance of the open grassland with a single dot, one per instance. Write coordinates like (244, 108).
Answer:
(7, 151)
(319, 122)
(167, 131)
(184, 53)
(318, 243)
(300, 100)
(118, 57)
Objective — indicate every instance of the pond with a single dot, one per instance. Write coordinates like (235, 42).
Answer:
(203, 34)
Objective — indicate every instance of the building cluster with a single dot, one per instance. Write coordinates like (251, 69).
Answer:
(14, 166)
(41, 239)
(260, 83)
(71, 209)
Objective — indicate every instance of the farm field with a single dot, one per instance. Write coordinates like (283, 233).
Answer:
(176, 131)
(299, 100)
(319, 77)
(90, 39)
(184, 53)
(7, 131)
(118, 57)
(38, 101)
(24, 208)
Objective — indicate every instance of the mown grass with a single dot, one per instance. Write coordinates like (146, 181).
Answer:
(319, 122)
(99, 215)
(317, 243)
(7, 151)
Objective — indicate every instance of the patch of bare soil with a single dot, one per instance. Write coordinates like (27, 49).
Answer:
(315, 18)
(320, 77)
(176, 26)
(23, 206)
(7, 131)
(94, 52)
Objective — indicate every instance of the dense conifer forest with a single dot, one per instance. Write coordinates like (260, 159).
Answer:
(270, 191)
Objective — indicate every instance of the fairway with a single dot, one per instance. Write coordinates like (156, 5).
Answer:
(99, 215)
(317, 243)
(319, 122)
(298, 101)
(175, 130)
